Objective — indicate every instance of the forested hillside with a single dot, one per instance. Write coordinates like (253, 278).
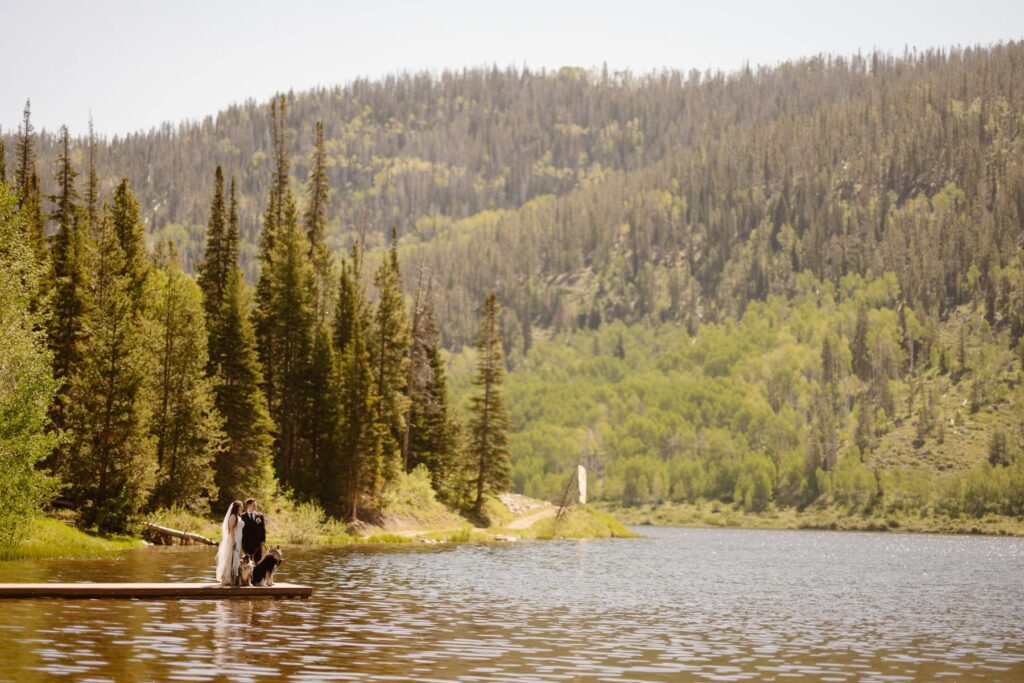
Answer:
(668, 197)
(774, 287)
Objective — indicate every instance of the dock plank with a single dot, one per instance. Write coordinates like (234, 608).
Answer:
(151, 590)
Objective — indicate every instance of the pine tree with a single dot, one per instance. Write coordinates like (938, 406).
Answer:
(213, 271)
(111, 461)
(432, 434)
(185, 423)
(244, 467)
(3, 158)
(68, 291)
(24, 155)
(27, 185)
(64, 212)
(27, 385)
(126, 223)
(324, 409)
(35, 218)
(290, 325)
(348, 302)
(230, 251)
(272, 219)
(389, 348)
(92, 188)
(356, 477)
(318, 199)
(489, 424)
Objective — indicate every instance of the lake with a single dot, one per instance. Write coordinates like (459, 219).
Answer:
(676, 605)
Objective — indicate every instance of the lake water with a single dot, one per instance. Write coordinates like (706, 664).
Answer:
(679, 604)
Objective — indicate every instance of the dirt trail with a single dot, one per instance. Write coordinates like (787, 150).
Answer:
(529, 520)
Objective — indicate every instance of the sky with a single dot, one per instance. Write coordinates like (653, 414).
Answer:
(134, 64)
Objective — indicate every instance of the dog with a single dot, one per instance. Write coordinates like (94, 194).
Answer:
(263, 573)
(245, 570)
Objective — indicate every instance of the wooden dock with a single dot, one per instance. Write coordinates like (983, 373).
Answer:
(163, 591)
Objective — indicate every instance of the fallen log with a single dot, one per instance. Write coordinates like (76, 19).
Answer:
(162, 535)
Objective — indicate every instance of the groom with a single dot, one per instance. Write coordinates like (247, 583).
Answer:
(254, 533)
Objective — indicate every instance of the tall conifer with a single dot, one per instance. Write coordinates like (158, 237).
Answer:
(489, 424)
(244, 467)
(68, 284)
(432, 434)
(24, 155)
(126, 224)
(214, 269)
(111, 461)
(185, 423)
(290, 326)
(92, 188)
(272, 219)
(389, 348)
(318, 193)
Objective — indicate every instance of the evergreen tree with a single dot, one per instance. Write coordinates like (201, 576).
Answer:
(348, 301)
(389, 347)
(92, 188)
(356, 477)
(185, 423)
(489, 424)
(27, 185)
(272, 219)
(111, 462)
(27, 385)
(126, 224)
(35, 218)
(68, 285)
(64, 211)
(24, 155)
(214, 270)
(290, 324)
(324, 410)
(998, 450)
(432, 434)
(3, 158)
(230, 251)
(318, 196)
(244, 466)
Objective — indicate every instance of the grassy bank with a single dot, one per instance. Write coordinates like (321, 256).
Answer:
(715, 514)
(579, 522)
(52, 538)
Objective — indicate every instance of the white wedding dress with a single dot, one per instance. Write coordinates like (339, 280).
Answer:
(229, 554)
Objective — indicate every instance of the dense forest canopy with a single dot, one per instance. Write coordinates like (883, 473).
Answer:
(771, 287)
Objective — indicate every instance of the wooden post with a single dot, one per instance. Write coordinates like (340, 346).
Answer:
(581, 483)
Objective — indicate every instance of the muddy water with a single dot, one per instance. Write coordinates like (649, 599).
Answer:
(679, 604)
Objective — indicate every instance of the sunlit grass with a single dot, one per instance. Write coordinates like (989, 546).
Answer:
(716, 514)
(581, 521)
(51, 538)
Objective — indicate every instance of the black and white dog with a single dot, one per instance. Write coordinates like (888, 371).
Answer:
(263, 573)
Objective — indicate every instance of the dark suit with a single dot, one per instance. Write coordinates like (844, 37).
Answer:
(254, 534)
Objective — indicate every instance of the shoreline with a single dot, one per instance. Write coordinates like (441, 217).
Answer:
(712, 515)
(580, 522)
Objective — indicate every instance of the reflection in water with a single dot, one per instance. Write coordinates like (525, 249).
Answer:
(680, 604)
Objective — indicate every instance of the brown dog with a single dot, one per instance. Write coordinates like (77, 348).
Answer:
(245, 570)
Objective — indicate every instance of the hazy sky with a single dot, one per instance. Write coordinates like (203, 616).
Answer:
(137, 63)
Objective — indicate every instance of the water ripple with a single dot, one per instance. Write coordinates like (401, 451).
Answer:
(680, 604)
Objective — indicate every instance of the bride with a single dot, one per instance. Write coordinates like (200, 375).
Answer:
(230, 550)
